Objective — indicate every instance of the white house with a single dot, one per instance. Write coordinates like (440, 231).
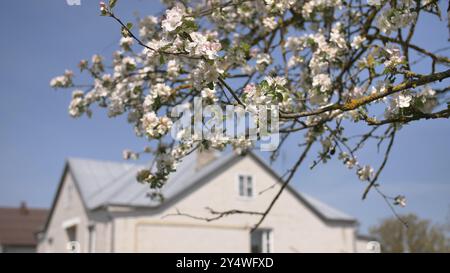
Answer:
(101, 206)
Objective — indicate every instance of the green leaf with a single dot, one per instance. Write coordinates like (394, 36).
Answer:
(112, 3)
(264, 85)
(246, 48)
(189, 26)
(225, 43)
(129, 26)
(279, 96)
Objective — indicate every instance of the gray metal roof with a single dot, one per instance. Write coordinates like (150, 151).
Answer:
(104, 183)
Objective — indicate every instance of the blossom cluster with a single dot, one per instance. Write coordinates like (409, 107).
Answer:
(314, 60)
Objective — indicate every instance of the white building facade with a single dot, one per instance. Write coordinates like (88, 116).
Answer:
(100, 206)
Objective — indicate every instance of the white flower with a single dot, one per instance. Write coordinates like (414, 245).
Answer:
(128, 154)
(155, 127)
(277, 81)
(161, 90)
(149, 122)
(201, 45)
(270, 23)
(262, 61)
(126, 42)
(96, 59)
(394, 57)
(337, 37)
(103, 7)
(402, 101)
(357, 92)
(294, 60)
(350, 163)
(209, 94)
(147, 26)
(210, 49)
(77, 104)
(365, 173)
(393, 19)
(148, 102)
(323, 81)
(173, 68)
(62, 81)
(309, 6)
(400, 200)
(357, 41)
(174, 19)
(428, 99)
(205, 73)
(164, 125)
(374, 2)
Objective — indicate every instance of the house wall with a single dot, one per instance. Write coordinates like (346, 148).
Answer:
(295, 227)
(68, 209)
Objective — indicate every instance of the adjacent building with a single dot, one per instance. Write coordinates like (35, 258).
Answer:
(19, 228)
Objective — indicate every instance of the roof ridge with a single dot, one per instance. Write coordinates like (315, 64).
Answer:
(102, 161)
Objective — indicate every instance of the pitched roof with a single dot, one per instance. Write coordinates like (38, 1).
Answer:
(18, 226)
(104, 183)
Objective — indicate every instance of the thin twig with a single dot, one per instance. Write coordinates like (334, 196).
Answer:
(285, 184)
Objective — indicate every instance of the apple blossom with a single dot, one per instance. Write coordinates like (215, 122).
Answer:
(365, 173)
(174, 18)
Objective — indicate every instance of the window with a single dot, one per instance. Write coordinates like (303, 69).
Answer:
(245, 186)
(71, 233)
(261, 241)
(73, 245)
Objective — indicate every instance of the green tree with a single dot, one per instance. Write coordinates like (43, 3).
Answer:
(420, 235)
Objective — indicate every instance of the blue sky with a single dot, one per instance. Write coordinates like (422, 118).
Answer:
(42, 38)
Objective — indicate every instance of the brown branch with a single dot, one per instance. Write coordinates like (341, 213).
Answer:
(417, 116)
(356, 103)
(437, 58)
(218, 214)
(235, 96)
(386, 156)
(386, 199)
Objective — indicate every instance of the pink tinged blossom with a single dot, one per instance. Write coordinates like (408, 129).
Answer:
(103, 7)
(249, 88)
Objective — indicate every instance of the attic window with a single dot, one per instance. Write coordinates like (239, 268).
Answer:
(245, 186)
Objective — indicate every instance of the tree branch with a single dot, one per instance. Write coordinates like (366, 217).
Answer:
(286, 182)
